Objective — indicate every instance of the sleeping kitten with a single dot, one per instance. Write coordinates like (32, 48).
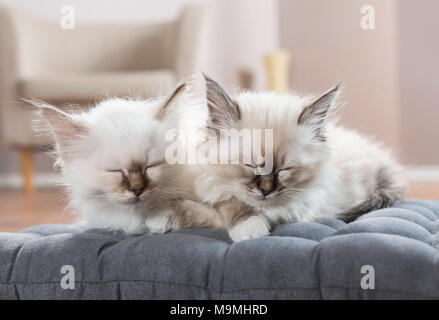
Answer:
(319, 169)
(112, 161)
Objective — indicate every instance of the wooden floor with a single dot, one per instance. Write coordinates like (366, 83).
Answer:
(47, 206)
(18, 211)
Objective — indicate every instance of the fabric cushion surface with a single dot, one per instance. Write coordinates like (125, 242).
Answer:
(304, 260)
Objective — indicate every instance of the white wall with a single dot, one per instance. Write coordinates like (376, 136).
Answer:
(418, 51)
(102, 11)
(390, 73)
(328, 45)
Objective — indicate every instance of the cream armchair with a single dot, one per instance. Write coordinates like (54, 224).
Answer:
(41, 60)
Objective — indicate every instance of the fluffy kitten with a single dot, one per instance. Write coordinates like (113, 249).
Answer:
(112, 161)
(319, 168)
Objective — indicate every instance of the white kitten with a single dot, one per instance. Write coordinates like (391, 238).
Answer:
(319, 169)
(112, 161)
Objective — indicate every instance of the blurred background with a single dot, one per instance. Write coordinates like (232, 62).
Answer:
(385, 52)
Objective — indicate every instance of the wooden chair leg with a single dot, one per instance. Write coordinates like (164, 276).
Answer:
(27, 171)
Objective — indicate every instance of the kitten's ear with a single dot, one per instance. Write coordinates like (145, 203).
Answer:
(316, 113)
(170, 100)
(61, 125)
(222, 110)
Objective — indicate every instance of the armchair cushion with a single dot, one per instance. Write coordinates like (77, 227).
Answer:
(89, 86)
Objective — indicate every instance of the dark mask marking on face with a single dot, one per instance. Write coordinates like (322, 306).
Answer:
(267, 184)
(135, 179)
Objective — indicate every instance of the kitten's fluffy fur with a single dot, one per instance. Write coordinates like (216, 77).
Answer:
(320, 169)
(112, 161)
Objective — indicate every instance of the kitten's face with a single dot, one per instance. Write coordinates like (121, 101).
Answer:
(115, 152)
(296, 163)
(289, 176)
(124, 174)
(299, 147)
(132, 185)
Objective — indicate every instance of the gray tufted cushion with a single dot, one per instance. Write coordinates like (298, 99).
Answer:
(320, 260)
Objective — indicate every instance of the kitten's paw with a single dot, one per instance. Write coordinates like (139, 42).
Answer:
(250, 228)
(160, 223)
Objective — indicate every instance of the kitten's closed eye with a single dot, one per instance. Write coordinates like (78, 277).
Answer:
(116, 171)
(153, 171)
(295, 174)
(285, 169)
(254, 166)
(154, 164)
(124, 171)
(285, 173)
(254, 170)
(251, 169)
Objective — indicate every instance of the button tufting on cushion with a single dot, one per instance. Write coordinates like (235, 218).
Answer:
(304, 260)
